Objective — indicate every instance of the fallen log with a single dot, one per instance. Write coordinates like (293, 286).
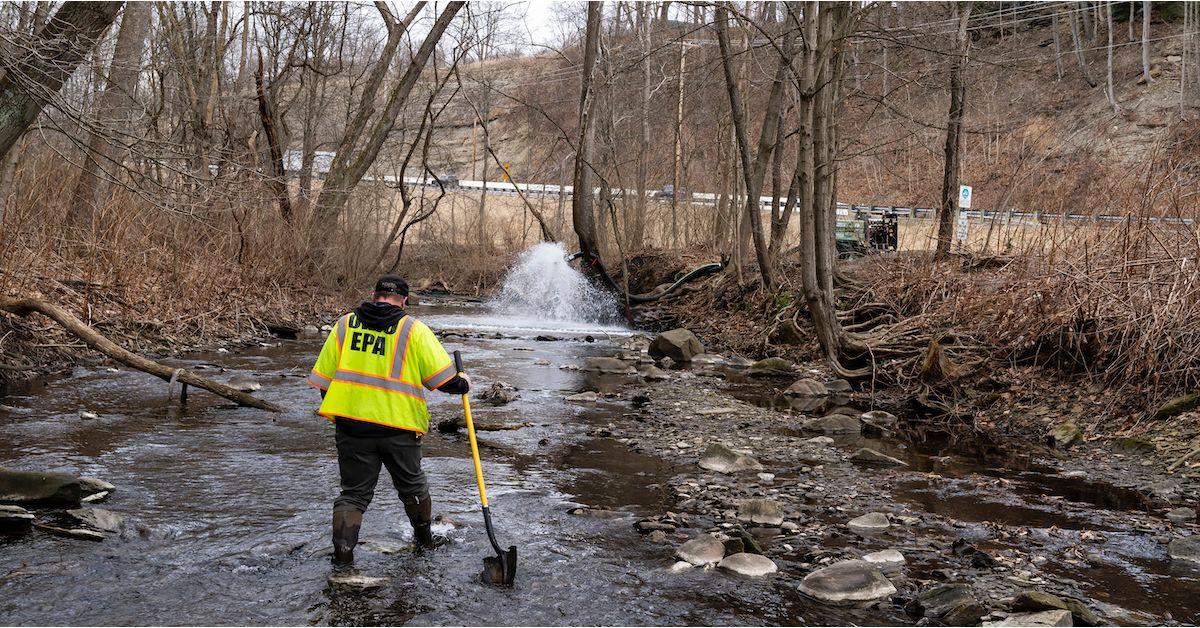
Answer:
(93, 339)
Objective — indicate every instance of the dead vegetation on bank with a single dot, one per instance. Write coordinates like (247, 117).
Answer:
(1116, 317)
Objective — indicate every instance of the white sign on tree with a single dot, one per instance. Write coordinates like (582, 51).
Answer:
(964, 197)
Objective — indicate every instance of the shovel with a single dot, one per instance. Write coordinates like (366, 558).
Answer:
(501, 568)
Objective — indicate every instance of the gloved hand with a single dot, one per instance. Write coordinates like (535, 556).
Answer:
(457, 385)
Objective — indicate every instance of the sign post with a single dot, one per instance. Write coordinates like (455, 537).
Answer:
(962, 228)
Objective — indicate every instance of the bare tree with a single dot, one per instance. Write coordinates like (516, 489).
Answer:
(754, 170)
(1109, 88)
(1074, 18)
(954, 121)
(1145, 39)
(358, 149)
(33, 79)
(114, 108)
(582, 198)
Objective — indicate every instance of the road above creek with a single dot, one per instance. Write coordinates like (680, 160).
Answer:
(228, 508)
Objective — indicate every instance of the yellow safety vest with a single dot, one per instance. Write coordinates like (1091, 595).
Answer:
(380, 376)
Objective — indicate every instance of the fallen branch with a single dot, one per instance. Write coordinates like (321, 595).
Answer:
(93, 339)
(1183, 459)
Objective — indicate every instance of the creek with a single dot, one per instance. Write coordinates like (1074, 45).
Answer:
(231, 505)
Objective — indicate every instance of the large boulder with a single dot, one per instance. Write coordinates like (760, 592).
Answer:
(24, 487)
(941, 600)
(91, 486)
(847, 582)
(761, 511)
(499, 393)
(652, 373)
(870, 457)
(752, 565)
(869, 523)
(888, 561)
(720, 458)
(1033, 601)
(806, 388)
(1182, 515)
(705, 549)
(15, 518)
(770, 367)
(681, 345)
(608, 366)
(834, 424)
(1185, 548)
(1064, 435)
(98, 518)
(1043, 618)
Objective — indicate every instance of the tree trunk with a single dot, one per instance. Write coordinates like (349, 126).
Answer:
(755, 171)
(56, 51)
(351, 161)
(113, 113)
(266, 112)
(954, 119)
(677, 179)
(1075, 18)
(1145, 40)
(1109, 88)
(1058, 68)
(824, 27)
(635, 224)
(582, 199)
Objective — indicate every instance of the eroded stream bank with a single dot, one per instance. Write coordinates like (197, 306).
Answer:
(227, 508)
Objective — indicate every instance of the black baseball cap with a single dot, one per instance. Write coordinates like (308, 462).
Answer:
(391, 284)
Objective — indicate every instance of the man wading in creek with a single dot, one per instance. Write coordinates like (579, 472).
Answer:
(373, 372)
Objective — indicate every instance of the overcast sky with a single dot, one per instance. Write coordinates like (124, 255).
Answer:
(543, 19)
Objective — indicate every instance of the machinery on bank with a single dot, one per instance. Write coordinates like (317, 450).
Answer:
(867, 233)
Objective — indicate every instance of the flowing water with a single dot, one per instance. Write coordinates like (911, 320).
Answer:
(231, 506)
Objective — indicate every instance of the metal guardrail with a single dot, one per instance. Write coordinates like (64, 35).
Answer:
(707, 198)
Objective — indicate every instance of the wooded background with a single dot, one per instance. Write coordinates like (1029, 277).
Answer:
(222, 151)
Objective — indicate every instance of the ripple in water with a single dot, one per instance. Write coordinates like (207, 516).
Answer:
(543, 285)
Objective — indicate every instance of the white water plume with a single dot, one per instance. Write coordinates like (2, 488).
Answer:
(543, 285)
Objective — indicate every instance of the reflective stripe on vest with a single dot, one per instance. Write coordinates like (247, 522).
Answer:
(440, 377)
(319, 380)
(363, 379)
(401, 348)
(341, 330)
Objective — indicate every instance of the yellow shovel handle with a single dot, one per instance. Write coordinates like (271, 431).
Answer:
(471, 435)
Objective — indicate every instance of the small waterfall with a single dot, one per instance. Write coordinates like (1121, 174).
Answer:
(542, 285)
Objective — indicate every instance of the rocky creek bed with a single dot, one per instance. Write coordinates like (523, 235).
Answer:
(638, 493)
(917, 522)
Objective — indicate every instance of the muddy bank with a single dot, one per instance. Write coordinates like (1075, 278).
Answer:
(1004, 383)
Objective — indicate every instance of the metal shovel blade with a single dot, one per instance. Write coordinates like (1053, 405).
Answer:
(500, 569)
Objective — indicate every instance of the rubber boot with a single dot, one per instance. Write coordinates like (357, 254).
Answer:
(420, 515)
(346, 524)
